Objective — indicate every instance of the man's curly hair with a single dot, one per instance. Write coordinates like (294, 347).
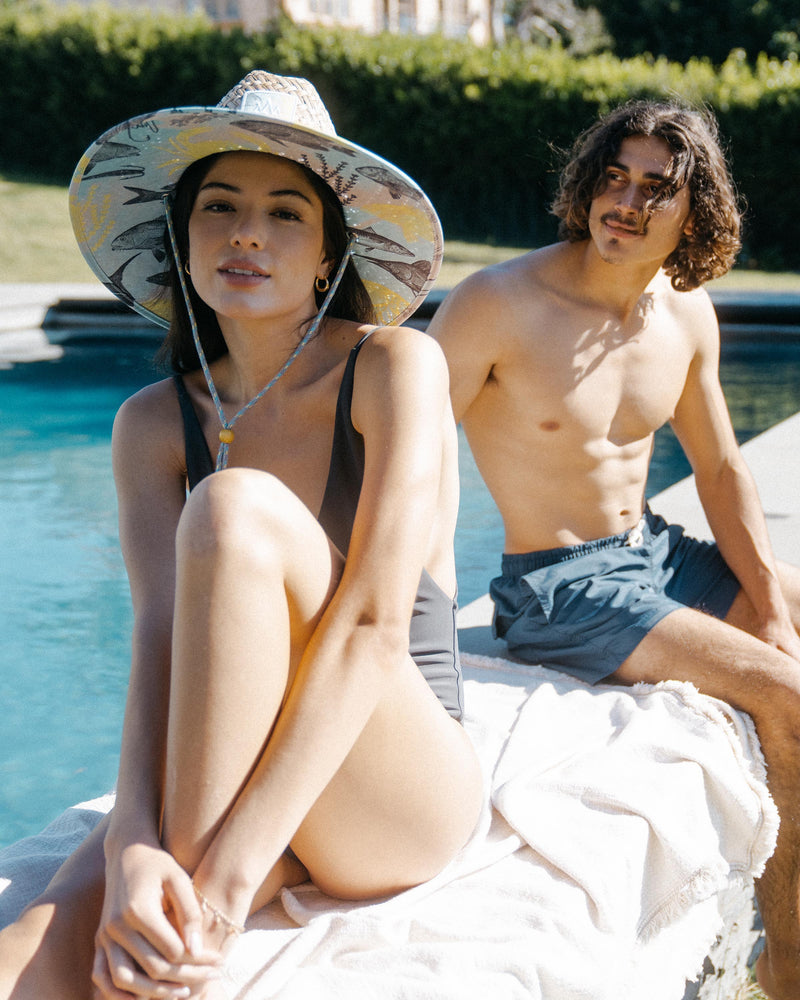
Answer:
(697, 160)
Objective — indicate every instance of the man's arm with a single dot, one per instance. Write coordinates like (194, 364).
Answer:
(466, 327)
(725, 485)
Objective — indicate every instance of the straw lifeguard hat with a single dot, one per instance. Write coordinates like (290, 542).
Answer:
(117, 190)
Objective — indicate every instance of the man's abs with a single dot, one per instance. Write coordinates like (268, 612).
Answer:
(561, 494)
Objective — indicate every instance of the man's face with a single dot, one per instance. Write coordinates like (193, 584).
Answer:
(626, 225)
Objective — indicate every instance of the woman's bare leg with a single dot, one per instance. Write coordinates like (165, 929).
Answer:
(407, 795)
(404, 802)
(49, 950)
(240, 627)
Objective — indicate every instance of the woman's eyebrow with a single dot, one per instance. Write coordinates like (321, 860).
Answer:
(279, 193)
(219, 184)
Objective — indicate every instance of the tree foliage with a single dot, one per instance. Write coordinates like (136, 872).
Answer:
(677, 29)
(682, 29)
(479, 128)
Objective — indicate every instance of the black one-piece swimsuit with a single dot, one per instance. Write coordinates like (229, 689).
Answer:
(433, 636)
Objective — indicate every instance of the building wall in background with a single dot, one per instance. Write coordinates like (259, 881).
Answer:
(452, 18)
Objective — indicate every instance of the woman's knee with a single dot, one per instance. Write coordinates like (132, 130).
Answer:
(237, 511)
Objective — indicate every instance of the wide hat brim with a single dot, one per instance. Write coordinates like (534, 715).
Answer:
(117, 190)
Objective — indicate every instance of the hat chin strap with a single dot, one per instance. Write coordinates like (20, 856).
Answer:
(226, 434)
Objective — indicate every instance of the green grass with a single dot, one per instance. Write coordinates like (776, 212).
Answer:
(37, 245)
(36, 240)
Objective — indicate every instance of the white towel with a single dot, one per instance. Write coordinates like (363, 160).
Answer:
(612, 818)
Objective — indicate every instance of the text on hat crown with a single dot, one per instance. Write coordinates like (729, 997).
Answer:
(271, 104)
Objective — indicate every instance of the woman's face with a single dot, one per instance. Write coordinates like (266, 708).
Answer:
(256, 239)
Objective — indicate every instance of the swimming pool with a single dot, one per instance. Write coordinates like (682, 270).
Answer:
(66, 614)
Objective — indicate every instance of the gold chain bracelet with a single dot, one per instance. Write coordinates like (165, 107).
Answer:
(217, 916)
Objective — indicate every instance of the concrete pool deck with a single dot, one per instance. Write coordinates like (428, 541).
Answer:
(27, 308)
(23, 309)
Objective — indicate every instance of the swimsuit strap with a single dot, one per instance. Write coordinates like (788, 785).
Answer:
(199, 462)
(346, 469)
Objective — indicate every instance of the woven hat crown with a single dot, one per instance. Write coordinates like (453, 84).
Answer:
(287, 98)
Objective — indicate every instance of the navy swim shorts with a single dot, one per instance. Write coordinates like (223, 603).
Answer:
(584, 608)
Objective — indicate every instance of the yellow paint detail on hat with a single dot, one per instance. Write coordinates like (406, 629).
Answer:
(414, 223)
(175, 155)
(195, 143)
(160, 304)
(387, 304)
(98, 220)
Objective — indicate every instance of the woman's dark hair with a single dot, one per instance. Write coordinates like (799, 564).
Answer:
(178, 350)
(697, 160)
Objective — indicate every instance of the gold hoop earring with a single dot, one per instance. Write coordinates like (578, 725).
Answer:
(186, 268)
(321, 284)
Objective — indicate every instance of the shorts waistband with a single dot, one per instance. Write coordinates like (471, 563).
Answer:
(519, 563)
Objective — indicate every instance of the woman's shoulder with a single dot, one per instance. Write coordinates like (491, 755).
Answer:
(400, 343)
(402, 352)
(149, 418)
(400, 369)
(154, 395)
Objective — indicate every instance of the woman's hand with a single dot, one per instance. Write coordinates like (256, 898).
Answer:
(150, 942)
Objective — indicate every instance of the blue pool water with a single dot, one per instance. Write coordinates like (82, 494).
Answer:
(63, 592)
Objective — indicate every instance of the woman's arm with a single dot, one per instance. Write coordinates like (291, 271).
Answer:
(402, 408)
(150, 496)
(150, 912)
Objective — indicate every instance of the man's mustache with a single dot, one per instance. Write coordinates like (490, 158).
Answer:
(639, 227)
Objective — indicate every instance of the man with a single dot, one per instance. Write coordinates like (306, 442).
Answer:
(564, 362)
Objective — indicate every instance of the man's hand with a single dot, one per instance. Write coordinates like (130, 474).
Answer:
(781, 634)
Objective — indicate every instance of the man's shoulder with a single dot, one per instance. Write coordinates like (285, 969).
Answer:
(692, 310)
(530, 267)
(498, 278)
(694, 300)
(507, 284)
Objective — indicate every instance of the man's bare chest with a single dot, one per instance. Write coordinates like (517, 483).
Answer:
(621, 388)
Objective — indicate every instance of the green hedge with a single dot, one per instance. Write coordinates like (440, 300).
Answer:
(480, 129)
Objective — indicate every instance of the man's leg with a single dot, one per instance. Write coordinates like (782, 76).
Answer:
(729, 664)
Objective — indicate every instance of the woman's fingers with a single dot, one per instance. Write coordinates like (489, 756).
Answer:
(115, 977)
(104, 988)
(131, 966)
(154, 940)
(181, 900)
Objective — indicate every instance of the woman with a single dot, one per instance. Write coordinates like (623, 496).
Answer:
(295, 688)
